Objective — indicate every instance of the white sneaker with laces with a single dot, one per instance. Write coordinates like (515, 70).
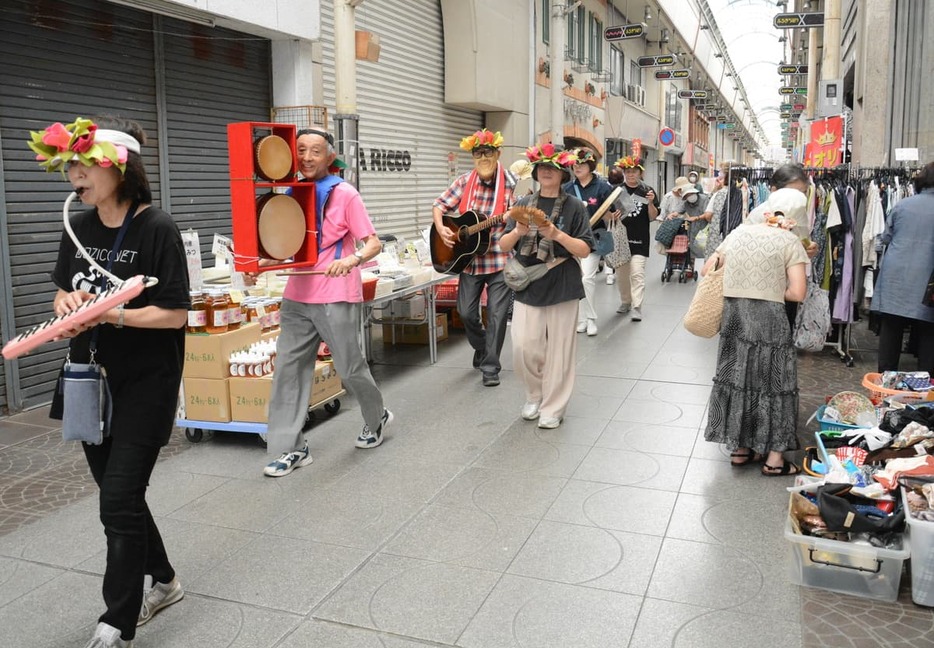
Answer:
(581, 327)
(288, 462)
(592, 327)
(623, 309)
(530, 411)
(161, 596)
(370, 439)
(107, 636)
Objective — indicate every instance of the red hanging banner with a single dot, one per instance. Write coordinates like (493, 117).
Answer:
(824, 149)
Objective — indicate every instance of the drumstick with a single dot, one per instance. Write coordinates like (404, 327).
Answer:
(605, 206)
(300, 272)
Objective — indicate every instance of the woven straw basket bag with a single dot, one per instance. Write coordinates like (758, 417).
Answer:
(706, 310)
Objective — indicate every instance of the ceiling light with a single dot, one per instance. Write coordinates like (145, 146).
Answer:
(664, 36)
(648, 13)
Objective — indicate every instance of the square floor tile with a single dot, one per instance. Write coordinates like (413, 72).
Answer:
(621, 508)
(632, 468)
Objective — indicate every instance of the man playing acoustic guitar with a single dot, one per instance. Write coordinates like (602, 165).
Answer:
(484, 193)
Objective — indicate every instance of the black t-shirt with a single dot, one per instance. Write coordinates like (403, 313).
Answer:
(144, 366)
(594, 195)
(563, 282)
(637, 220)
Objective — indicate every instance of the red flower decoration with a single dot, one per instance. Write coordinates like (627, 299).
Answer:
(56, 135)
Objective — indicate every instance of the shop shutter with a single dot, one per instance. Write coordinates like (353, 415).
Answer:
(60, 60)
(212, 77)
(406, 130)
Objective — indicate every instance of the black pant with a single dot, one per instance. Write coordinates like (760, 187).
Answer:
(891, 334)
(134, 546)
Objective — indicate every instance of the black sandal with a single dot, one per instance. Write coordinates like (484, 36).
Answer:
(785, 470)
(747, 458)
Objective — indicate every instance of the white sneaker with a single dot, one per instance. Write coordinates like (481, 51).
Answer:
(623, 309)
(288, 462)
(581, 327)
(107, 636)
(548, 422)
(591, 327)
(636, 314)
(161, 596)
(610, 279)
(530, 411)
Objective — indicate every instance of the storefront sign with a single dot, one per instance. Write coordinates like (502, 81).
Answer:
(656, 61)
(622, 32)
(384, 160)
(792, 20)
(789, 90)
(637, 147)
(672, 74)
(726, 125)
(692, 94)
(792, 69)
(824, 147)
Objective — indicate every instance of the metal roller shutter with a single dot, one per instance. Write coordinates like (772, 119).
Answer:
(106, 64)
(406, 129)
(60, 60)
(212, 77)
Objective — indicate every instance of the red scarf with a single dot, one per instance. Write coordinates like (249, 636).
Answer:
(499, 195)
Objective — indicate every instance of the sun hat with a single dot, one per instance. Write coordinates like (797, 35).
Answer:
(550, 155)
(688, 190)
(630, 162)
(680, 183)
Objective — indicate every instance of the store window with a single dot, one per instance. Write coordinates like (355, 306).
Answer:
(616, 72)
(572, 36)
(596, 44)
(546, 21)
(673, 109)
(635, 73)
(581, 27)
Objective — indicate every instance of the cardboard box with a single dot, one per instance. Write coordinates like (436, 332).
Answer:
(327, 382)
(415, 333)
(249, 397)
(206, 356)
(206, 399)
(271, 334)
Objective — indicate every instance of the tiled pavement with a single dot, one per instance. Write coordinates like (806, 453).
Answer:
(468, 527)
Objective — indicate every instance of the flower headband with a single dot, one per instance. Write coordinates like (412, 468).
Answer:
(548, 154)
(81, 140)
(482, 138)
(630, 162)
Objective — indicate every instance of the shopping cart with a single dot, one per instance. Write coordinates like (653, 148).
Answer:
(680, 261)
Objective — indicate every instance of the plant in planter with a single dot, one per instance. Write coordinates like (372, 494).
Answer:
(544, 67)
(568, 78)
(590, 89)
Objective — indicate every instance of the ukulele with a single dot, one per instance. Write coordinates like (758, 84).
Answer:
(472, 236)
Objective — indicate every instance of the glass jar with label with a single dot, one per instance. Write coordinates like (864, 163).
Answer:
(197, 313)
(234, 316)
(217, 312)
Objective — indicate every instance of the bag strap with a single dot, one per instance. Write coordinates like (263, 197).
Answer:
(118, 243)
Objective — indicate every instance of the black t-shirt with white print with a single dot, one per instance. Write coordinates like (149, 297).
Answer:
(144, 365)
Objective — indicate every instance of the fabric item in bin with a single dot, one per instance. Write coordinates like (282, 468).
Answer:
(844, 511)
(897, 468)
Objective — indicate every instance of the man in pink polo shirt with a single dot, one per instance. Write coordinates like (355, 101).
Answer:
(325, 307)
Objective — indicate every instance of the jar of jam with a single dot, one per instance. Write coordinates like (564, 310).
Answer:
(234, 316)
(197, 313)
(217, 312)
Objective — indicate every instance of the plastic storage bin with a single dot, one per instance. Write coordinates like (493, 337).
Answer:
(921, 542)
(858, 570)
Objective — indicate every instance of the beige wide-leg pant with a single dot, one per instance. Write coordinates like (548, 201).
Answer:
(630, 279)
(544, 351)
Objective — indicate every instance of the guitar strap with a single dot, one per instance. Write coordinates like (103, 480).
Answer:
(499, 192)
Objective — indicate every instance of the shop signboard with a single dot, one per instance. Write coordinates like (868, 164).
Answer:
(785, 68)
(824, 148)
(791, 90)
(622, 32)
(785, 107)
(656, 61)
(692, 94)
(672, 74)
(726, 125)
(796, 20)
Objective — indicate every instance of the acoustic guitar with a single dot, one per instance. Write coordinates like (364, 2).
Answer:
(472, 236)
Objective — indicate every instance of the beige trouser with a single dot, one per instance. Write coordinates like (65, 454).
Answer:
(630, 279)
(544, 352)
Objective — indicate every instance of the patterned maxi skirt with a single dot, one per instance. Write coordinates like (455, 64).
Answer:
(754, 400)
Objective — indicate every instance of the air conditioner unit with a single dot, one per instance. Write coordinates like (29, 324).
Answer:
(635, 94)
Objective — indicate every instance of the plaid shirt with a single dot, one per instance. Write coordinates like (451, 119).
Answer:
(495, 259)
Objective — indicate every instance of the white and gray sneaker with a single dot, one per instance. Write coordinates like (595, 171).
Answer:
(623, 309)
(371, 439)
(288, 462)
(107, 636)
(636, 314)
(161, 596)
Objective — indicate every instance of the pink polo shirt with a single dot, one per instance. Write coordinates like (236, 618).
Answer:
(345, 219)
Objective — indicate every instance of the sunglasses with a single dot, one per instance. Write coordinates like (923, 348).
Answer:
(482, 153)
